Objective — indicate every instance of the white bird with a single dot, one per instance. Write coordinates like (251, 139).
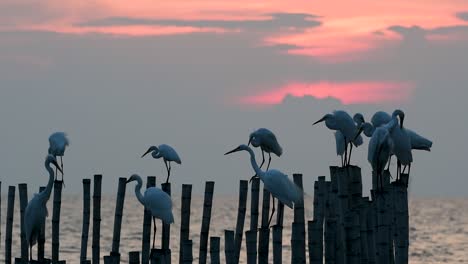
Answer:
(342, 121)
(156, 200)
(36, 210)
(401, 141)
(167, 153)
(380, 149)
(266, 140)
(276, 182)
(380, 118)
(58, 142)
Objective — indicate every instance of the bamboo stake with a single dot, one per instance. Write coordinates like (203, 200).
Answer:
(298, 235)
(277, 244)
(86, 217)
(56, 221)
(166, 230)
(41, 238)
(96, 218)
(402, 220)
(251, 245)
(205, 226)
(363, 229)
(330, 224)
(371, 232)
(9, 223)
(315, 250)
(242, 207)
(214, 250)
(147, 219)
(187, 257)
(23, 196)
(229, 246)
(255, 189)
(134, 257)
(119, 204)
(185, 221)
(264, 232)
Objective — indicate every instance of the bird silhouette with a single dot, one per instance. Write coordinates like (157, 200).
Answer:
(167, 153)
(58, 142)
(266, 140)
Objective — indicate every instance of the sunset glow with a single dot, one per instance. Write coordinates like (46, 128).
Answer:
(347, 93)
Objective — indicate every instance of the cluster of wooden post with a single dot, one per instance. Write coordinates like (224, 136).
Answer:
(349, 228)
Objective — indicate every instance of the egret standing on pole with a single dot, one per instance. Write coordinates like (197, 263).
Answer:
(167, 153)
(58, 142)
(276, 182)
(155, 200)
(266, 140)
(36, 210)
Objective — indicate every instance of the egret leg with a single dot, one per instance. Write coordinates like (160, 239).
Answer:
(389, 161)
(345, 152)
(269, 160)
(154, 230)
(168, 171)
(350, 151)
(409, 169)
(61, 165)
(342, 161)
(272, 211)
(30, 254)
(398, 169)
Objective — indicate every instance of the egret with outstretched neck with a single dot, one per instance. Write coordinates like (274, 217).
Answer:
(167, 153)
(58, 142)
(156, 200)
(36, 211)
(276, 182)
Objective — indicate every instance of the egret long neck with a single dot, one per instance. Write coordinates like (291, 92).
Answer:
(45, 194)
(138, 191)
(257, 169)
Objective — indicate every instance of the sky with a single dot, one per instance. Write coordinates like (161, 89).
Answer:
(201, 75)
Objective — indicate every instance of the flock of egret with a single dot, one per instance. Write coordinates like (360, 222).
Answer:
(387, 135)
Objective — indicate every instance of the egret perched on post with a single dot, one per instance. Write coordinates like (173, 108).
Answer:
(266, 140)
(167, 153)
(380, 149)
(276, 182)
(342, 122)
(58, 142)
(401, 142)
(156, 200)
(36, 210)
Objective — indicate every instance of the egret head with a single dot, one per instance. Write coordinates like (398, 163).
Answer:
(151, 149)
(324, 118)
(254, 140)
(358, 118)
(50, 159)
(401, 115)
(134, 177)
(239, 148)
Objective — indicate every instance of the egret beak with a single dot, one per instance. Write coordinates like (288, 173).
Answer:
(250, 141)
(57, 166)
(129, 180)
(402, 118)
(361, 128)
(232, 151)
(321, 120)
(148, 151)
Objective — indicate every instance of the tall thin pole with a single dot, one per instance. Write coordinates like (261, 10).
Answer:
(9, 223)
(41, 238)
(205, 226)
(264, 232)
(56, 221)
(166, 229)
(185, 221)
(146, 236)
(115, 253)
(298, 254)
(242, 207)
(23, 196)
(214, 250)
(86, 217)
(96, 218)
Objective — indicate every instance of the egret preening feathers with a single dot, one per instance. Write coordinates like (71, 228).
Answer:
(36, 210)
(167, 153)
(58, 142)
(156, 200)
(401, 141)
(276, 182)
(266, 140)
(380, 149)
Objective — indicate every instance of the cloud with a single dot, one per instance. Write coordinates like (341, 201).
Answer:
(273, 22)
(463, 16)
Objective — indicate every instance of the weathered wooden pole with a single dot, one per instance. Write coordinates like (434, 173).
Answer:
(185, 221)
(402, 220)
(96, 219)
(382, 228)
(229, 250)
(319, 217)
(86, 217)
(278, 235)
(242, 207)
(119, 204)
(315, 250)
(9, 223)
(214, 250)
(23, 196)
(255, 195)
(166, 229)
(187, 257)
(330, 224)
(205, 226)
(264, 232)
(298, 253)
(147, 219)
(134, 257)
(41, 237)
(363, 208)
(371, 232)
(251, 246)
(56, 221)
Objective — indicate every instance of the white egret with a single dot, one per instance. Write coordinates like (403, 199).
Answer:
(156, 200)
(342, 121)
(58, 142)
(276, 182)
(36, 210)
(380, 149)
(167, 153)
(266, 140)
(380, 118)
(401, 141)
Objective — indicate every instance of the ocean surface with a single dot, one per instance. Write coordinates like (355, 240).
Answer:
(438, 228)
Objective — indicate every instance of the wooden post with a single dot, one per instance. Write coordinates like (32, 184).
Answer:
(330, 233)
(277, 244)
(402, 220)
(159, 256)
(205, 226)
(242, 207)
(86, 217)
(255, 193)
(371, 232)
(264, 232)
(166, 229)
(382, 229)
(315, 250)
(147, 219)
(187, 257)
(363, 208)
(251, 246)
(23, 196)
(353, 245)
(134, 257)
(41, 238)
(229, 250)
(56, 221)
(185, 221)
(9, 223)
(119, 204)
(298, 253)
(319, 215)
(214, 250)
(96, 219)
